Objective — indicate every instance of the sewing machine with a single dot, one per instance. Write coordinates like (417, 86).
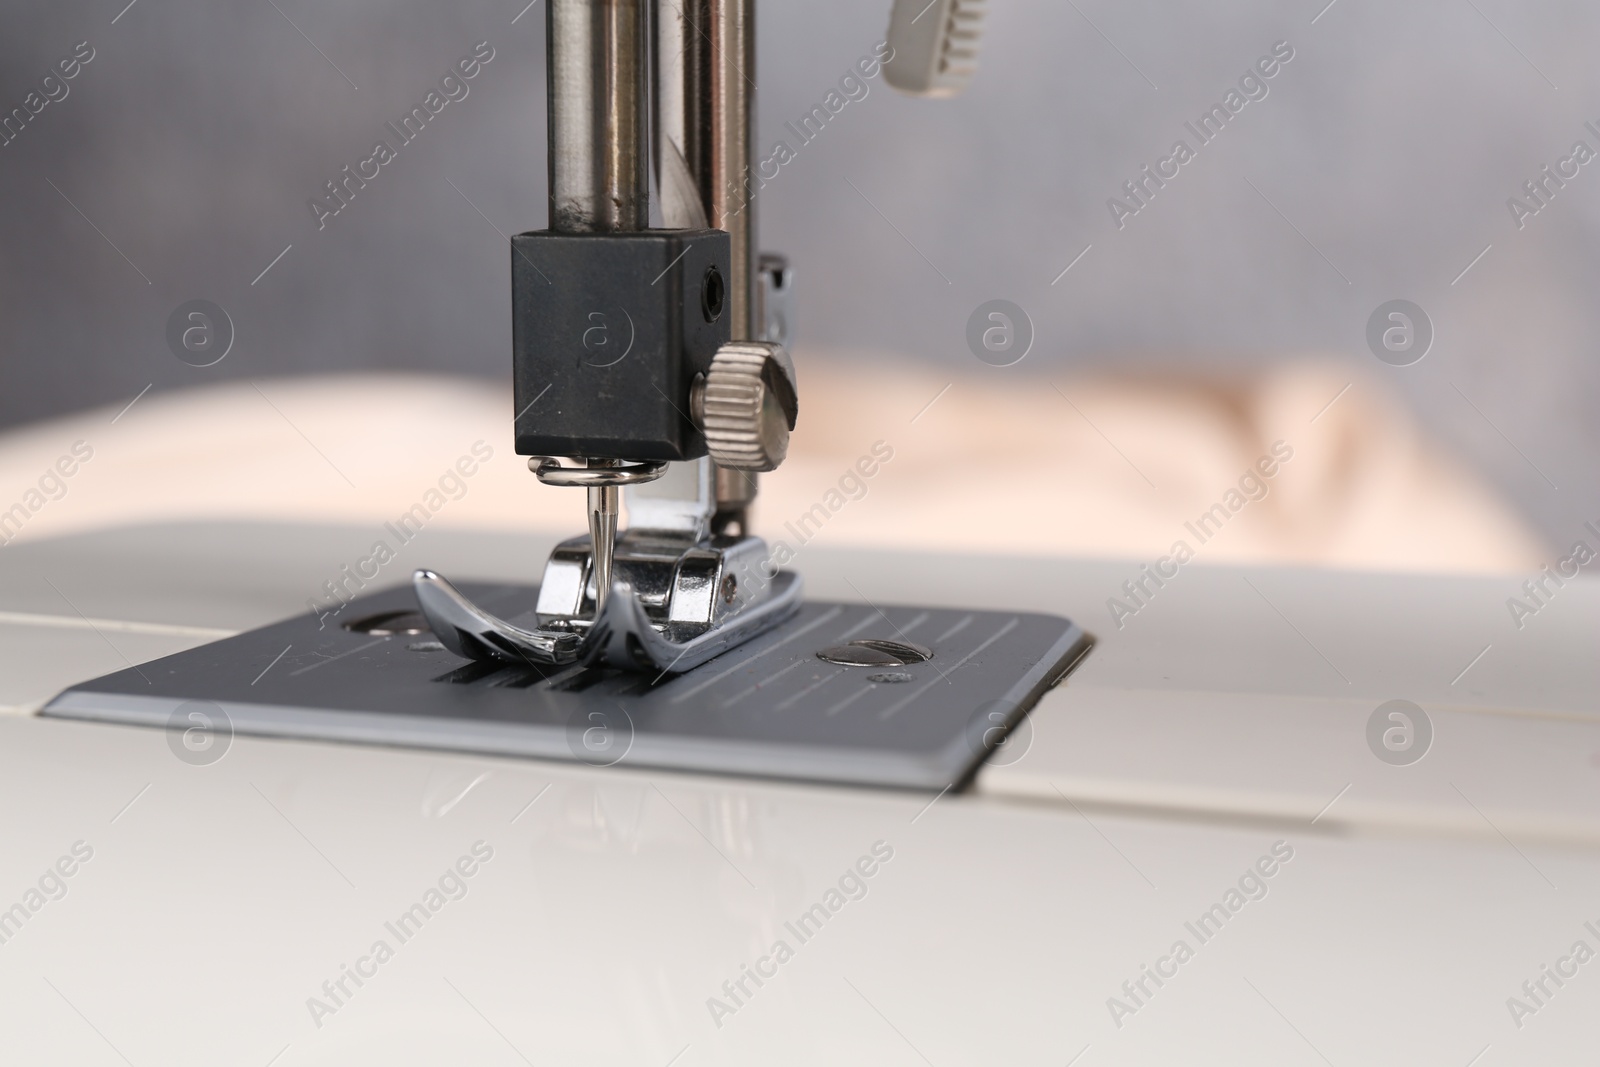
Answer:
(1289, 818)
(651, 362)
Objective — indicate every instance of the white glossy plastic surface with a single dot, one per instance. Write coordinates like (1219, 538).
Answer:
(616, 904)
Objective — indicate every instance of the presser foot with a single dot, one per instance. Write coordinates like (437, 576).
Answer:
(672, 606)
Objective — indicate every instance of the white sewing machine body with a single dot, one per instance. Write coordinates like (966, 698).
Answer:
(1193, 855)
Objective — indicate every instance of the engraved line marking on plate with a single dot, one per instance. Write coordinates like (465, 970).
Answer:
(731, 701)
(825, 617)
(866, 621)
(851, 699)
(808, 690)
(1007, 628)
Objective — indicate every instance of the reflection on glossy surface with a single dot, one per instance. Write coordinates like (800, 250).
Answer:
(619, 905)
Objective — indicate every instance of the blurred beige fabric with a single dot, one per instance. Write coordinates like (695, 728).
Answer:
(995, 462)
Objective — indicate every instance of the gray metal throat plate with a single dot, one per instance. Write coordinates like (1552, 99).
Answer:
(768, 708)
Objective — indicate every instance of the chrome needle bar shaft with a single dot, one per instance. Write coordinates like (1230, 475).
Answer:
(604, 503)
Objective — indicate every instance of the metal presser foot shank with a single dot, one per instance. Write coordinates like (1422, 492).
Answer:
(678, 595)
(624, 635)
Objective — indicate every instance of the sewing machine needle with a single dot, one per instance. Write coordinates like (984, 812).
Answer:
(603, 507)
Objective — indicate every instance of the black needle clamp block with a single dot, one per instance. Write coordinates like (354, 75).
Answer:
(609, 332)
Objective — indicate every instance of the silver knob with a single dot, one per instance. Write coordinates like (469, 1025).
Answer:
(747, 404)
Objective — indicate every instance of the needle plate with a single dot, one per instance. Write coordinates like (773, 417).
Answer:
(769, 707)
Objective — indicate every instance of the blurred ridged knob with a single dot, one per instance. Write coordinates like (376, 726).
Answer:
(934, 45)
(747, 405)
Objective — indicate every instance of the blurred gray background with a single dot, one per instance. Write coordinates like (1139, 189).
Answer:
(1381, 163)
